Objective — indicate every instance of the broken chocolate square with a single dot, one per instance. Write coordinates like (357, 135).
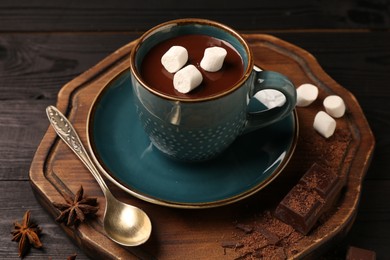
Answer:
(355, 253)
(309, 199)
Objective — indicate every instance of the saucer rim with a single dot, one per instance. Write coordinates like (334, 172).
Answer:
(177, 204)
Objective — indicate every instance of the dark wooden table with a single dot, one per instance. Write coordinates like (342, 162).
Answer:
(45, 44)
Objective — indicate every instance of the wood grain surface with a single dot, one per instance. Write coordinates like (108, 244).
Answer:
(44, 45)
(136, 15)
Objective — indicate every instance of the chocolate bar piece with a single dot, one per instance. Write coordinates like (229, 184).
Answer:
(314, 194)
(355, 253)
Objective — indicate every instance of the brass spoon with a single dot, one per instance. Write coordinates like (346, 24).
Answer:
(125, 224)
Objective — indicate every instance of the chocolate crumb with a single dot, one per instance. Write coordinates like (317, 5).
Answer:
(231, 244)
(246, 228)
(272, 238)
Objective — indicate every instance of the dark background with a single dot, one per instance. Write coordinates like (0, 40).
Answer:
(45, 44)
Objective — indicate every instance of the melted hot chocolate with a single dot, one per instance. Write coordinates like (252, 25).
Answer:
(155, 75)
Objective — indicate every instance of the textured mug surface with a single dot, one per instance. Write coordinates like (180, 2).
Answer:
(200, 129)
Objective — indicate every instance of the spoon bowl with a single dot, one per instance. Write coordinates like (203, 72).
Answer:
(125, 224)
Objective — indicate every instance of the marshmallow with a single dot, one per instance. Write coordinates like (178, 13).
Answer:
(187, 79)
(213, 58)
(324, 124)
(174, 59)
(270, 98)
(334, 106)
(306, 94)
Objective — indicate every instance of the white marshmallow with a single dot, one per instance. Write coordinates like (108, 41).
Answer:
(213, 59)
(270, 98)
(334, 106)
(306, 94)
(175, 58)
(187, 79)
(324, 124)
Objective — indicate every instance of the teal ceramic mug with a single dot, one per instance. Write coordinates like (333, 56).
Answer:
(199, 129)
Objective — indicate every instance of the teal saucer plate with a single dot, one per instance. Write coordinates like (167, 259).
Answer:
(125, 155)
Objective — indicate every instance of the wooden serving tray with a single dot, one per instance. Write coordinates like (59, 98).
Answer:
(199, 234)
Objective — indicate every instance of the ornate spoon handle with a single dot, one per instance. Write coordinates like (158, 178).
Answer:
(68, 134)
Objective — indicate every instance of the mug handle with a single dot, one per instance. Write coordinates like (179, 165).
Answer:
(270, 80)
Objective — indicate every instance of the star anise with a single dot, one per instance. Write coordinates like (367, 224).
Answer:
(76, 209)
(27, 234)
